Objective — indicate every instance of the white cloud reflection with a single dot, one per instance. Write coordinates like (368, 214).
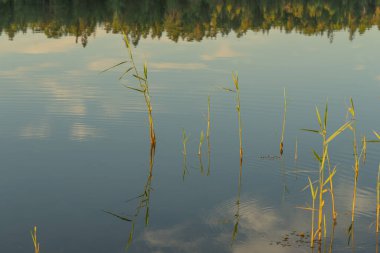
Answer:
(171, 238)
(39, 130)
(176, 66)
(81, 132)
(224, 51)
(259, 228)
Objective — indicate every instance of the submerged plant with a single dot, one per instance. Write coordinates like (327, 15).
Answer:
(283, 126)
(322, 158)
(36, 244)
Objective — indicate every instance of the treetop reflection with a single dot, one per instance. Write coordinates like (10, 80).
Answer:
(190, 20)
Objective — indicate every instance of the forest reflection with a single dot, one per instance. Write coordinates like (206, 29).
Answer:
(190, 20)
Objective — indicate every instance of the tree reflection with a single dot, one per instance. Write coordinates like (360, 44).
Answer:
(186, 19)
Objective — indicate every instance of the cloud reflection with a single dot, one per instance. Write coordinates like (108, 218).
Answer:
(224, 51)
(177, 66)
(81, 132)
(35, 131)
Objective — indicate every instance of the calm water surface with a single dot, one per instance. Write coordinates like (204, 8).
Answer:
(75, 142)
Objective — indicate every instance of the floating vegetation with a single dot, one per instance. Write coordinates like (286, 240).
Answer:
(283, 126)
(36, 244)
(293, 239)
(270, 157)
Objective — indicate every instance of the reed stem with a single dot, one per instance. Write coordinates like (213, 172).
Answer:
(283, 126)
(36, 244)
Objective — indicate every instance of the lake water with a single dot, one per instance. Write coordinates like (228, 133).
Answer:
(75, 147)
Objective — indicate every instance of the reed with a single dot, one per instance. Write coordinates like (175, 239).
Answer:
(364, 148)
(322, 162)
(296, 151)
(36, 244)
(238, 109)
(331, 190)
(185, 138)
(143, 86)
(376, 134)
(378, 200)
(208, 136)
(314, 192)
(357, 156)
(283, 126)
(201, 138)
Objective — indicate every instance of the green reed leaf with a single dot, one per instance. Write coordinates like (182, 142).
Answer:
(339, 131)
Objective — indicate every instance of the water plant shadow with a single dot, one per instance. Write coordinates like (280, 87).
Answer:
(143, 203)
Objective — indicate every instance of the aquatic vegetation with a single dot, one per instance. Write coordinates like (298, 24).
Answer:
(143, 85)
(36, 244)
(296, 150)
(201, 138)
(283, 126)
(208, 136)
(378, 200)
(313, 192)
(144, 88)
(185, 138)
(357, 155)
(322, 158)
(238, 109)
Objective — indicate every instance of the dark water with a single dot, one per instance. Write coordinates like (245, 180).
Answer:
(75, 142)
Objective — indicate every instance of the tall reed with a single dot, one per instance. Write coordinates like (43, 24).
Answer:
(238, 109)
(357, 156)
(185, 138)
(314, 192)
(201, 138)
(208, 135)
(322, 158)
(36, 244)
(378, 200)
(296, 151)
(143, 85)
(283, 126)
